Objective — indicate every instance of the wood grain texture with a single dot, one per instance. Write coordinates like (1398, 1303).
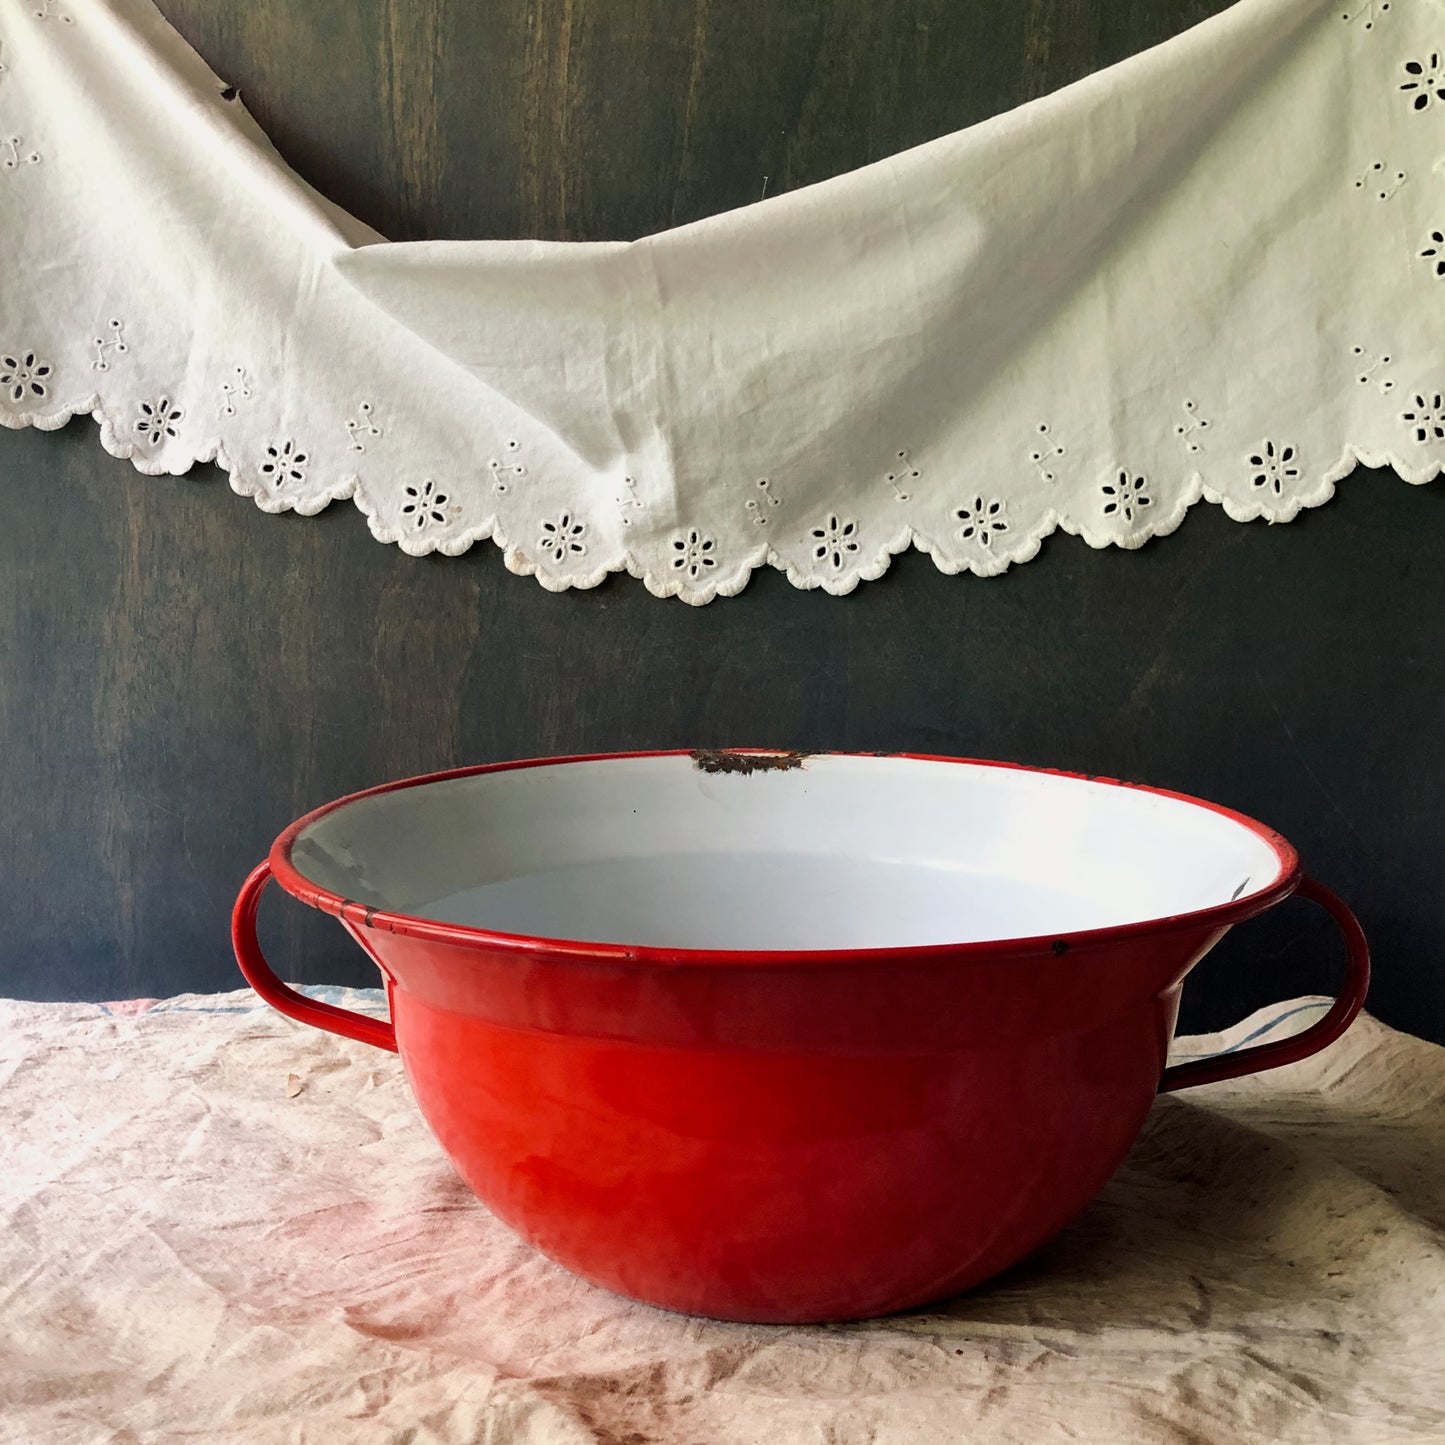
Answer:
(185, 674)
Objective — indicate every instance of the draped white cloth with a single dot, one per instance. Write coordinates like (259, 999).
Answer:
(1215, 270)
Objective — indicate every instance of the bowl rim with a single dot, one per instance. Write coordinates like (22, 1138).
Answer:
(360, 915)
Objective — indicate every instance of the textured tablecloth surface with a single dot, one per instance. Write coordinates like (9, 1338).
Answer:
(220, 1226)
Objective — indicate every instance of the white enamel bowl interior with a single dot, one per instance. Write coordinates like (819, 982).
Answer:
(842, 852)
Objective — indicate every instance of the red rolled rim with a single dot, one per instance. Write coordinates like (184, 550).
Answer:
(1220, 915)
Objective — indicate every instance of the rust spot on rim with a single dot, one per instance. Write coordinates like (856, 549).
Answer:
(350, 908)
(722, 760)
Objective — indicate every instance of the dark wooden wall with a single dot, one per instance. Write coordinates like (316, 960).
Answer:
(181, 675)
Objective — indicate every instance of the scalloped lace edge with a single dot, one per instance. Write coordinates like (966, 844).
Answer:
(517, 562)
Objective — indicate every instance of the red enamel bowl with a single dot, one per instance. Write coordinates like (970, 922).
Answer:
(784, 1038)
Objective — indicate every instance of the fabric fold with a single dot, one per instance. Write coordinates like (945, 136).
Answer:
(257, 1240)
(1210, 271)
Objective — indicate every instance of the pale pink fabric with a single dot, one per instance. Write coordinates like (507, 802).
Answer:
(191, 1255)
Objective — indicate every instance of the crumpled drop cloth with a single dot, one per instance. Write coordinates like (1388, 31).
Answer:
(221, 1226)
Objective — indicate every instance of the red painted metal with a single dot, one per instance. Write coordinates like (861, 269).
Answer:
(296, 884)
(1319, 1035)
(786, 1137)
(346, 1022)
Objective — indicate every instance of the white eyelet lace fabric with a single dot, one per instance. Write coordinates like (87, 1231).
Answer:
(1214, 271)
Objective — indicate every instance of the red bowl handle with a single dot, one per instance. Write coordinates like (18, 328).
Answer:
(294, 1005)
(1313, 1039)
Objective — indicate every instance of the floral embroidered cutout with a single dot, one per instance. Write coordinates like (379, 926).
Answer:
(1367, 12)
(157, 421)
(561, 537)
(982, 521)
(905, 471)
(1427, 420)
(834, 542)
(1385, 186)
(755, 506)
(1125, 497)
(366, 426)
(694, 553)
(629, 500)
(1372, 364)
(1425, 83)
(1274, 468)
(1042, 456)
(284, 465)
(23, 374)
(1186, 429)
(502, 471)
(1022, 510)
(115, 344)
(233, 391)
(426, 504)
(15, 157)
